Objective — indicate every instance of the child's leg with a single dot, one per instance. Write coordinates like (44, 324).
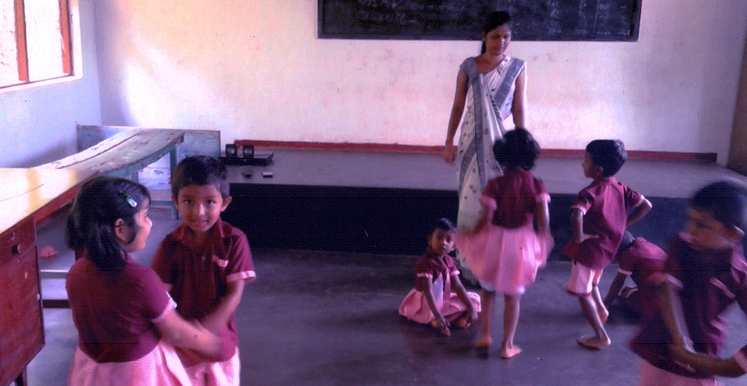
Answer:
(601, 308)
(510, 320)
(486, 318)
(600, 338)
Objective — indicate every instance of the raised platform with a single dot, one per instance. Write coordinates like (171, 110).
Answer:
(385, 202)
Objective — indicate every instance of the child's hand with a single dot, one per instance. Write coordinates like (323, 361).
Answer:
(578, 239)
(441, 325)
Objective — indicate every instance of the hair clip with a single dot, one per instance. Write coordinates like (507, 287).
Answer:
(127, 198)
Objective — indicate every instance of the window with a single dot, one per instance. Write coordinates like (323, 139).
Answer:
(34, 41)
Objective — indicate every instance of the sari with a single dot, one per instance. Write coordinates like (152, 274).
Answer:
(488, 103)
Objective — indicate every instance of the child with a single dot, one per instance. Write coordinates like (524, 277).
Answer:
(639, 260)
(599, 217)
(124, 316)
(205, 264)
(439, 297)
(734, 367)
(503, 250)
(705, 273)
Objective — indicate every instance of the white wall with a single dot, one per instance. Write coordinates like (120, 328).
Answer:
(256, 70)
(37, 123)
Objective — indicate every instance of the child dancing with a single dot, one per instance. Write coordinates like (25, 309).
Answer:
(439, 298)
(126, 322)
(599, 217)
(503, 249)
(704, 274)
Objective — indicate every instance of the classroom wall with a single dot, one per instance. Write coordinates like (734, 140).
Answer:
(738, 151)
(37, 122)
(256, 70)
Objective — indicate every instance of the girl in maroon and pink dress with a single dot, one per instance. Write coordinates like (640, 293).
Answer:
(503, 249)
(127, 323)
(439, 299)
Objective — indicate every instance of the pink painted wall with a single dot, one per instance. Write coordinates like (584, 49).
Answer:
(256, 70)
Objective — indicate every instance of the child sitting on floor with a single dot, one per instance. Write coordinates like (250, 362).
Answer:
(599, 217)
(439, 298)
(639, 260)
(704, 274)
(503, 250)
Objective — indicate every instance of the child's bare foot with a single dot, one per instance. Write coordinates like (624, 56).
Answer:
(510, 352)
(594, 343)
(462, 322)
(483, 347)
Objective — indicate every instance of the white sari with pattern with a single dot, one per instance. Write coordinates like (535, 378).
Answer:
(488, 104)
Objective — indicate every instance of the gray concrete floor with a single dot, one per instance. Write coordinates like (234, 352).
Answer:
(322, 318)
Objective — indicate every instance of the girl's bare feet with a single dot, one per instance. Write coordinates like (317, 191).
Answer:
(510, 351)
(594, 343)
(483, 347)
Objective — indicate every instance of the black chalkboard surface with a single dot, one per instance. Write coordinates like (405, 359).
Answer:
(574, 20)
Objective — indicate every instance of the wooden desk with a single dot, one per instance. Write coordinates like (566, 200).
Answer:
(25, 194)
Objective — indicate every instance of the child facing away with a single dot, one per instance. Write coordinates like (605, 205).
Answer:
(503, 250)
(205, 263)
(705, 273)
(127, 327)
(639, 260)
(599, 217)
(439, 298)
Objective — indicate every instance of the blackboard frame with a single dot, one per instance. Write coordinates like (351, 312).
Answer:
(327, 30)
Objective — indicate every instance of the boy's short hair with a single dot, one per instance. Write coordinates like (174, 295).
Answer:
(726, 201)
(200, 170)
(444, 224)
(609, 154)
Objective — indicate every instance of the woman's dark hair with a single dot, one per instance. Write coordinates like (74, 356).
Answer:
(200, 170)
(516, 149)
(726, 201)
(444, 224)
(609, 154)
(98, 205)
(493, 21)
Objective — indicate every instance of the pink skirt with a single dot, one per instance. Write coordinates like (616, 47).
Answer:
(415, 307)
(504, 260)
(161, 366)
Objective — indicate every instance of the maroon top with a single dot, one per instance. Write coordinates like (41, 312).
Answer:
(741, 358)
(200, 280)
(605, 205)
(710, 283)
(641, 261)
(433, 266)
(516, 194)
(114, 311)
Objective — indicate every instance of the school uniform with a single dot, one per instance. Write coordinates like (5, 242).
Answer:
(641, 261)
(200, 278)
(605, 205)
(115, 312)
(706, 291)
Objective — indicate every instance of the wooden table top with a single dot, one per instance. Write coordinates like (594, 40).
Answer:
(26, 192)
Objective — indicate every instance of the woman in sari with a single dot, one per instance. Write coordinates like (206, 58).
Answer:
(492, 87)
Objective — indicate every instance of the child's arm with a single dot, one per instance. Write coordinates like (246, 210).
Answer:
(461, 293)
(218, 319)
(577, 227)
(670, 306)
(707, 364)
(442, 323)
(638, 212)
(615, 288)
(181, 333)
(542, 217)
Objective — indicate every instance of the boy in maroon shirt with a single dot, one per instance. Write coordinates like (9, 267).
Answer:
(639, 260)
(599, 217)
(205, 263)
(705, 273)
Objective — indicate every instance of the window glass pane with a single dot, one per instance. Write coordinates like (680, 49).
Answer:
(43, 39)
(8, 52)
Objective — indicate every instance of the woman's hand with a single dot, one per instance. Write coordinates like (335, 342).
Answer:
(449, 153)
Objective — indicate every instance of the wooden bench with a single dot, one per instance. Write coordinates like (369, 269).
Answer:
(122, 155)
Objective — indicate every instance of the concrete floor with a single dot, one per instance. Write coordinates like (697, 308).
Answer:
(325, 318)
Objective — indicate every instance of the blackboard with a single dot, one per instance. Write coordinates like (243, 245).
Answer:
(568, 20)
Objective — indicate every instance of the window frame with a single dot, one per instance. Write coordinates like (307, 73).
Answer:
(22, 51)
